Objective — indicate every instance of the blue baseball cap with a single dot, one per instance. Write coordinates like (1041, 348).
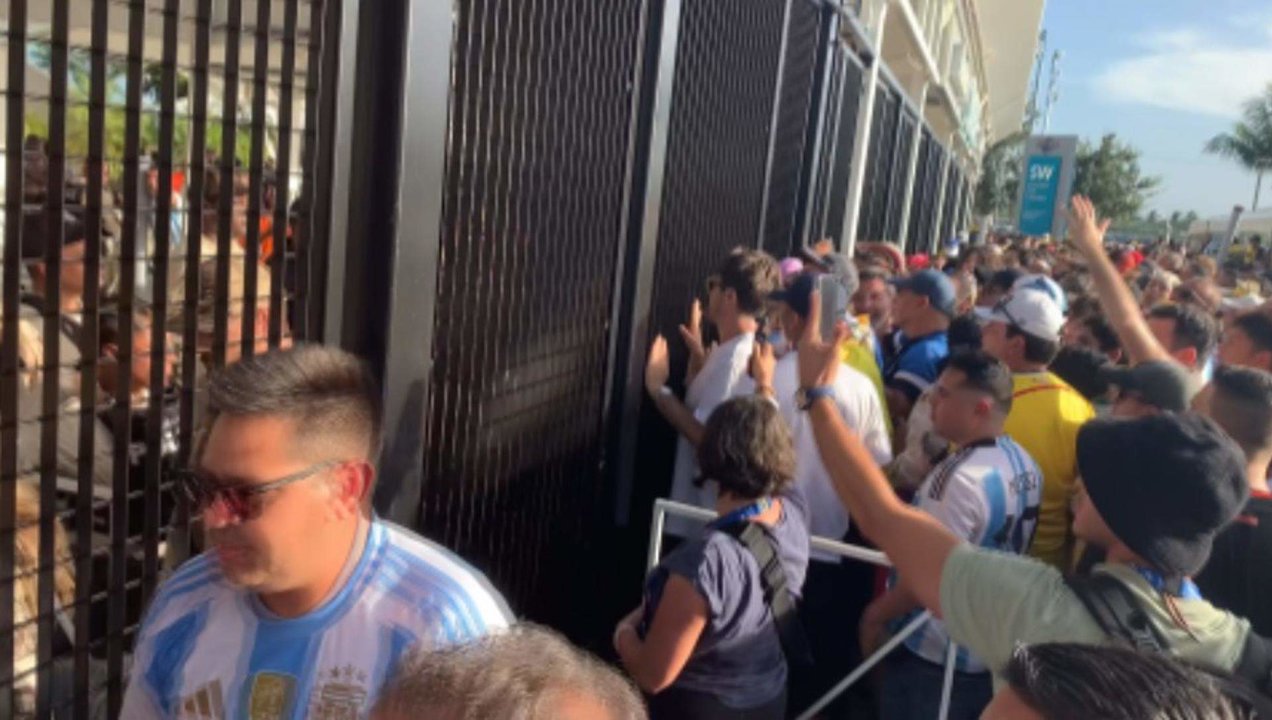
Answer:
(931, 284)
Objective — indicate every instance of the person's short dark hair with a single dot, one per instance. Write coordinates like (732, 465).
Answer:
(1037, 350)
(518, 673)
(1004, 280)
(1103, 332)
(1068, 681)
(873, 271)
(746, 447)
(1258, 327)
(1194, 328)
(1081, 367)
(983, 275)
(1242, 406)
(1082, 307)
(752, 274)
(984, 373)
(964, 333)
(328, 392)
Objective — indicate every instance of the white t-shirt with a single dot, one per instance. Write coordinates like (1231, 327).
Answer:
(724, 376)
(988, 494)
(859, 406)
(210, 650)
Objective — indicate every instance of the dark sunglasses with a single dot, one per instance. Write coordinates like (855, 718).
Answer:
(240, 500)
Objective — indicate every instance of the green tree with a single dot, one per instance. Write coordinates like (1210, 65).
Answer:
(1109, 173)
(1000, 177)
(1250, 140)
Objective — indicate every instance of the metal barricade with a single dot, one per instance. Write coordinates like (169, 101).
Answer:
(664, 507)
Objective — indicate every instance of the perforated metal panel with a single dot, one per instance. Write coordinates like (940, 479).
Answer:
(722, 105)
(899, 176)
(154, 152)
(873, 223)
(532, 208)
(838, 155)
(799, 83)
(924, 195)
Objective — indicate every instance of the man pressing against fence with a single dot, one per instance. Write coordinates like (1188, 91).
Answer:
(305, 601)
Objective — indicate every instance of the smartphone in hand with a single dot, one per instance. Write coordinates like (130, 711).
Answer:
(834, 301)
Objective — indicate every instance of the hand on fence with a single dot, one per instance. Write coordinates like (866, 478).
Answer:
(658, 367)
(692, 335)
(1086, 230)
(818, 359)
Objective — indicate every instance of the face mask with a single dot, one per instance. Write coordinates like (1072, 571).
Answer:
(780, 344)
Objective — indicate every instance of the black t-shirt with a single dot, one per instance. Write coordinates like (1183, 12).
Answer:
(1238, 577)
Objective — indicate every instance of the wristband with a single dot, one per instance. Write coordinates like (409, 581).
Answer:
(805, 397)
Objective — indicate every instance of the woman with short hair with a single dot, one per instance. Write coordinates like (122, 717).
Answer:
(704, 643)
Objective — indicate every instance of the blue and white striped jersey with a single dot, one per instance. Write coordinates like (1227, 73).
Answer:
(209, 650)
(987, 493)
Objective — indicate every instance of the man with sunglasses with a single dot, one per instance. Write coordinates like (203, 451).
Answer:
(736, 297)
(1023, 331)
(304, 601)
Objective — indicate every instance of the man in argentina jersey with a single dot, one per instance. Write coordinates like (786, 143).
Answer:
(986, 490)
(304, 602)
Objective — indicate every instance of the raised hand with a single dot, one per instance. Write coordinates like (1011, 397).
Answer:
(658, 366)
(691, 333)
(1086, 230)
(763, 365)
(819, 360)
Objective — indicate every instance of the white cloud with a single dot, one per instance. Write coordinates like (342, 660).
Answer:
(1185, 70)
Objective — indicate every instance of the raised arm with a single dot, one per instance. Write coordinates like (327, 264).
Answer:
(657, 371)
(1087, 234)
(915, 542)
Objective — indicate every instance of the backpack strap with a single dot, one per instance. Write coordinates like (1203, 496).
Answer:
(777, 595)
(1118, 612)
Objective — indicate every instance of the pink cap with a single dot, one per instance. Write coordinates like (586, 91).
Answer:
(790, 267)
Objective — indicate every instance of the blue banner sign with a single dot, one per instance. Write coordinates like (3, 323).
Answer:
(1038, 199)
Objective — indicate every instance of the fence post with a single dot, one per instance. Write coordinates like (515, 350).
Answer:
(861, 146)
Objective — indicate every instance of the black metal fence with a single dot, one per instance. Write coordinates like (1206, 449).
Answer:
(158, 158)
(517, 196)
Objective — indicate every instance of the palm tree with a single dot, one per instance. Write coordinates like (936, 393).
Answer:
(1250, 141)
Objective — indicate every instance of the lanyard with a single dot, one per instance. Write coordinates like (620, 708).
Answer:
(742, 514)
(1187, 588)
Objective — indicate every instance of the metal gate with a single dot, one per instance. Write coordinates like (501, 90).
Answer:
(161, 160)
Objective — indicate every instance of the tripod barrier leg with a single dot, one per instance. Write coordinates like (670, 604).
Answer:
(860, 671)
(951, 659)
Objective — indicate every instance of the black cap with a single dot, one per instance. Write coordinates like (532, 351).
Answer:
(798, 295)
(1165, 485)
(1160, 383)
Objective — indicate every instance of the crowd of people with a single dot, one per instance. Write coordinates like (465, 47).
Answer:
(1062, 449)
(1052, 442)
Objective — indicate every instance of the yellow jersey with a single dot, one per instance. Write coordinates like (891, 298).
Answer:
(1046, 413)
(858, 353)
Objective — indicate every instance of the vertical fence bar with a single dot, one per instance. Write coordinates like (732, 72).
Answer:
(639, 271)
(179, 539)
(408, 352)
(84, 501)
(260, 77)
(50, 403)
(120, 551)
(225, 196)
(281, 262)
(861, 146)
(153, 489)
(778, 79)
(14, 187)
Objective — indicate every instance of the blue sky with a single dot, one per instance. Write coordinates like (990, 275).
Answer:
(1165, 75)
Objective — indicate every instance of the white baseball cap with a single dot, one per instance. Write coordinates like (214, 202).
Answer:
(1046, 285)
(1032, 311)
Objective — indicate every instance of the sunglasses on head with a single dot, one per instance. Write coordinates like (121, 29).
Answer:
(242, 501)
